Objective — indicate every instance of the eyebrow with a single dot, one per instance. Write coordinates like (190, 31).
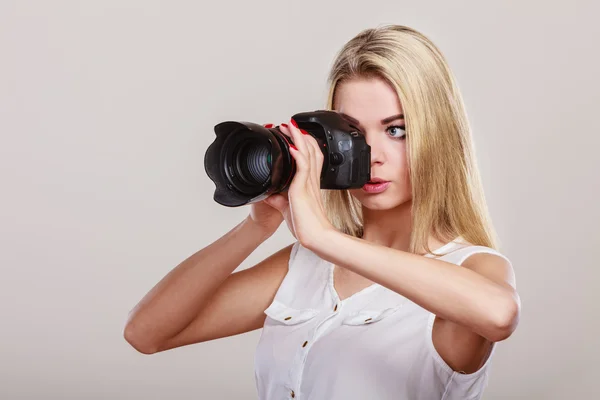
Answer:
(383, 121)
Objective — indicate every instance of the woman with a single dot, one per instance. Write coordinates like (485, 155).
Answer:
(392, 291)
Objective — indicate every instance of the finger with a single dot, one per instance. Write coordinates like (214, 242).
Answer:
(285, 129)
(278, 202)
(310, 154)
(318, 161)
(315, 150)
(302, 169)
(310, 149)
(313, 162)
(313, 157)
(316, 171)
(297, 137)
(285, 194)
(300, 154)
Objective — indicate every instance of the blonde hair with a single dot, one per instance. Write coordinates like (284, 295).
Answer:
(447, 193)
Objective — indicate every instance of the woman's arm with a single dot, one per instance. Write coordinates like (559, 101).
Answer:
(479, 296)
(201, 299)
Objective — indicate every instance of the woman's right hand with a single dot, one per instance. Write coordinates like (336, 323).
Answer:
(266, 214)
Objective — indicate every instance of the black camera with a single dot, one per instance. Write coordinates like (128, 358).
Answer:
(248, 162)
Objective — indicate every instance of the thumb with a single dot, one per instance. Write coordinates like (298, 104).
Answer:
(277, 201)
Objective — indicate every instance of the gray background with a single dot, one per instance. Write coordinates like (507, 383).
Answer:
(107, 108)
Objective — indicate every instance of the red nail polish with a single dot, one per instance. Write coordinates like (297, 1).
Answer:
(268, 125)
(304, 132)
(293, 147)
(294, 122)
(284, 125)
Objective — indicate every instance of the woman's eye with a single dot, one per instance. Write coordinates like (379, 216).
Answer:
(397, 131)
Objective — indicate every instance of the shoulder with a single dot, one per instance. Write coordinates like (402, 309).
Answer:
(490, 263)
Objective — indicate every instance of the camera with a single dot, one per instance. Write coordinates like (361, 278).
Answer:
(248, 162)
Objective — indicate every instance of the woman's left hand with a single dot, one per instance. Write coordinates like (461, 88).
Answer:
(304, 211)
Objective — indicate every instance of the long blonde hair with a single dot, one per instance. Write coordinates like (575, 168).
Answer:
(447, 193)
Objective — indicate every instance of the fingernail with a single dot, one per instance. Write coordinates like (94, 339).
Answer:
(293, 147)
(284, 125)
(303, 131)
(294, 122)
(268, 125)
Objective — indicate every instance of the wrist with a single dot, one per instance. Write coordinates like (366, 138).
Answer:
(257, 230)
(315, 242)
(327, 243)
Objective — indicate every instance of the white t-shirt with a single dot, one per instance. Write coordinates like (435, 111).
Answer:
(375, 344)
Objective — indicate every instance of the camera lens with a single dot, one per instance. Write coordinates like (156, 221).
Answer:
(252, 162)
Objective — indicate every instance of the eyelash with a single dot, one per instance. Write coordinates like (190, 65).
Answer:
(403, 127)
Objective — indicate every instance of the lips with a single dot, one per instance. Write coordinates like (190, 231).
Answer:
(377, 186)
(377, 180)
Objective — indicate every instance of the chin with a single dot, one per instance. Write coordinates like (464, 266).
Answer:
(377, 206)
(380, 202)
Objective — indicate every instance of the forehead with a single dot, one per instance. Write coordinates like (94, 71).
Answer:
(367, 99)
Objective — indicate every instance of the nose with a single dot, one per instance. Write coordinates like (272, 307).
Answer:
(377, 156)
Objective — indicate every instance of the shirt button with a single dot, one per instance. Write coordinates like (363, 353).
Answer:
(335, 308)
(293, 394)
(305, 343)
(288, 318)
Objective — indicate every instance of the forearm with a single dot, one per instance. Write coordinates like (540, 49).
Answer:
(450, 291)
(173, 303)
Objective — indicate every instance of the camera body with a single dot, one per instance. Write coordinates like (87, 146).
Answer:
(248, 162)
(347, 156)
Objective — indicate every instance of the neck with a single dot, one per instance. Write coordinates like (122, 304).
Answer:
(392, 228)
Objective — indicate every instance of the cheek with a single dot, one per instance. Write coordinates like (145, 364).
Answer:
(398, 169)
(398, 160)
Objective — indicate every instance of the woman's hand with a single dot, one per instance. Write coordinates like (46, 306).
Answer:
(302, 208)
(265, 214)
